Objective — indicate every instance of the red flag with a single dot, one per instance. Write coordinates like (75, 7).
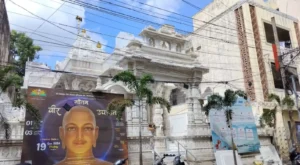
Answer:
(275, 53)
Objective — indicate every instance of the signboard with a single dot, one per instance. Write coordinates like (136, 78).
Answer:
(244, 131)
(226, 158)
(75, 129)
(269, 153)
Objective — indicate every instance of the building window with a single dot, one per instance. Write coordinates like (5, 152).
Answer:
(288, 73)
(151, 42)
(166, 45)
(178, 48)
(283, 35)
(177, 97)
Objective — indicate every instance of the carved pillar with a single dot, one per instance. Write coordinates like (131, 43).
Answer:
(158, 120)
(158, 111)
(66, 85)
(128, 115)
(195, 115)
(196, 104)
(196, 118)
(75, 84)
(135, 113)
(280, 135)
(191, 119)
(13, 131)
(144, 111)
(99, 84)
(133, 116)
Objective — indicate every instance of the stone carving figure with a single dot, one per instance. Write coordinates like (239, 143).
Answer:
(151, 42)
(75, 84)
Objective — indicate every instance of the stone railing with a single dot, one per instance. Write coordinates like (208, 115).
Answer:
(12, 113)
(265, 131)
(15, 117)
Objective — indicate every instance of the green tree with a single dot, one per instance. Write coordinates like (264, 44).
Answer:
(22, 49)
(140, 87)
(10, 79)
(218, 102)
(7, 80)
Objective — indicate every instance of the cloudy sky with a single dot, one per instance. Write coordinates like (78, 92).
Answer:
(104, 25)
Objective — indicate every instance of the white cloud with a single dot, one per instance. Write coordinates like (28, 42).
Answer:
(169, 5)
(39, 7)
(122, 43)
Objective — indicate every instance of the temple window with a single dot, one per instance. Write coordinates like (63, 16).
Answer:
(151, 42)
(178, 48)
(177, 97)
(166, 45)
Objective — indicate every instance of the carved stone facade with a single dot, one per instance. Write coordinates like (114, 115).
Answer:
(10, 155)
(243, 44)
(11, 149)
(259, 51)
(171, 57)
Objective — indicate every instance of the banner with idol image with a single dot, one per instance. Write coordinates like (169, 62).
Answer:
(76, 129)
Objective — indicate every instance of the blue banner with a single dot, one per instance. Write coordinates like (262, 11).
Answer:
(244, 131)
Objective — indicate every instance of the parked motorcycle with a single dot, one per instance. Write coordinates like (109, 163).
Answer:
(161, 160)
(177, 161)
(295, 156)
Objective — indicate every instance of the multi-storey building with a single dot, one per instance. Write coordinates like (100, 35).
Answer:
(239, 40)
(289, 7)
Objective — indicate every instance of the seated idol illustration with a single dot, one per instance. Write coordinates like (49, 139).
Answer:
(78, 135)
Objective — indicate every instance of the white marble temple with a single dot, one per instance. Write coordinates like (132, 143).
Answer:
(170, 56)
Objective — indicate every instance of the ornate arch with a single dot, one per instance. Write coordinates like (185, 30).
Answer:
(113, 86)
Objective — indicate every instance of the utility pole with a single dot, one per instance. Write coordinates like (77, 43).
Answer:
(282, 73)
(282, 69)
(140, 134)
(284, 78)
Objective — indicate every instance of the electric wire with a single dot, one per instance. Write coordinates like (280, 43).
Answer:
(201, 52)
(49, 17)
(232, 23)
(212, 53)
(46, 20)
(229, 50)
(163, 18)
(178, 14)
(122, 15)
(89, 20)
